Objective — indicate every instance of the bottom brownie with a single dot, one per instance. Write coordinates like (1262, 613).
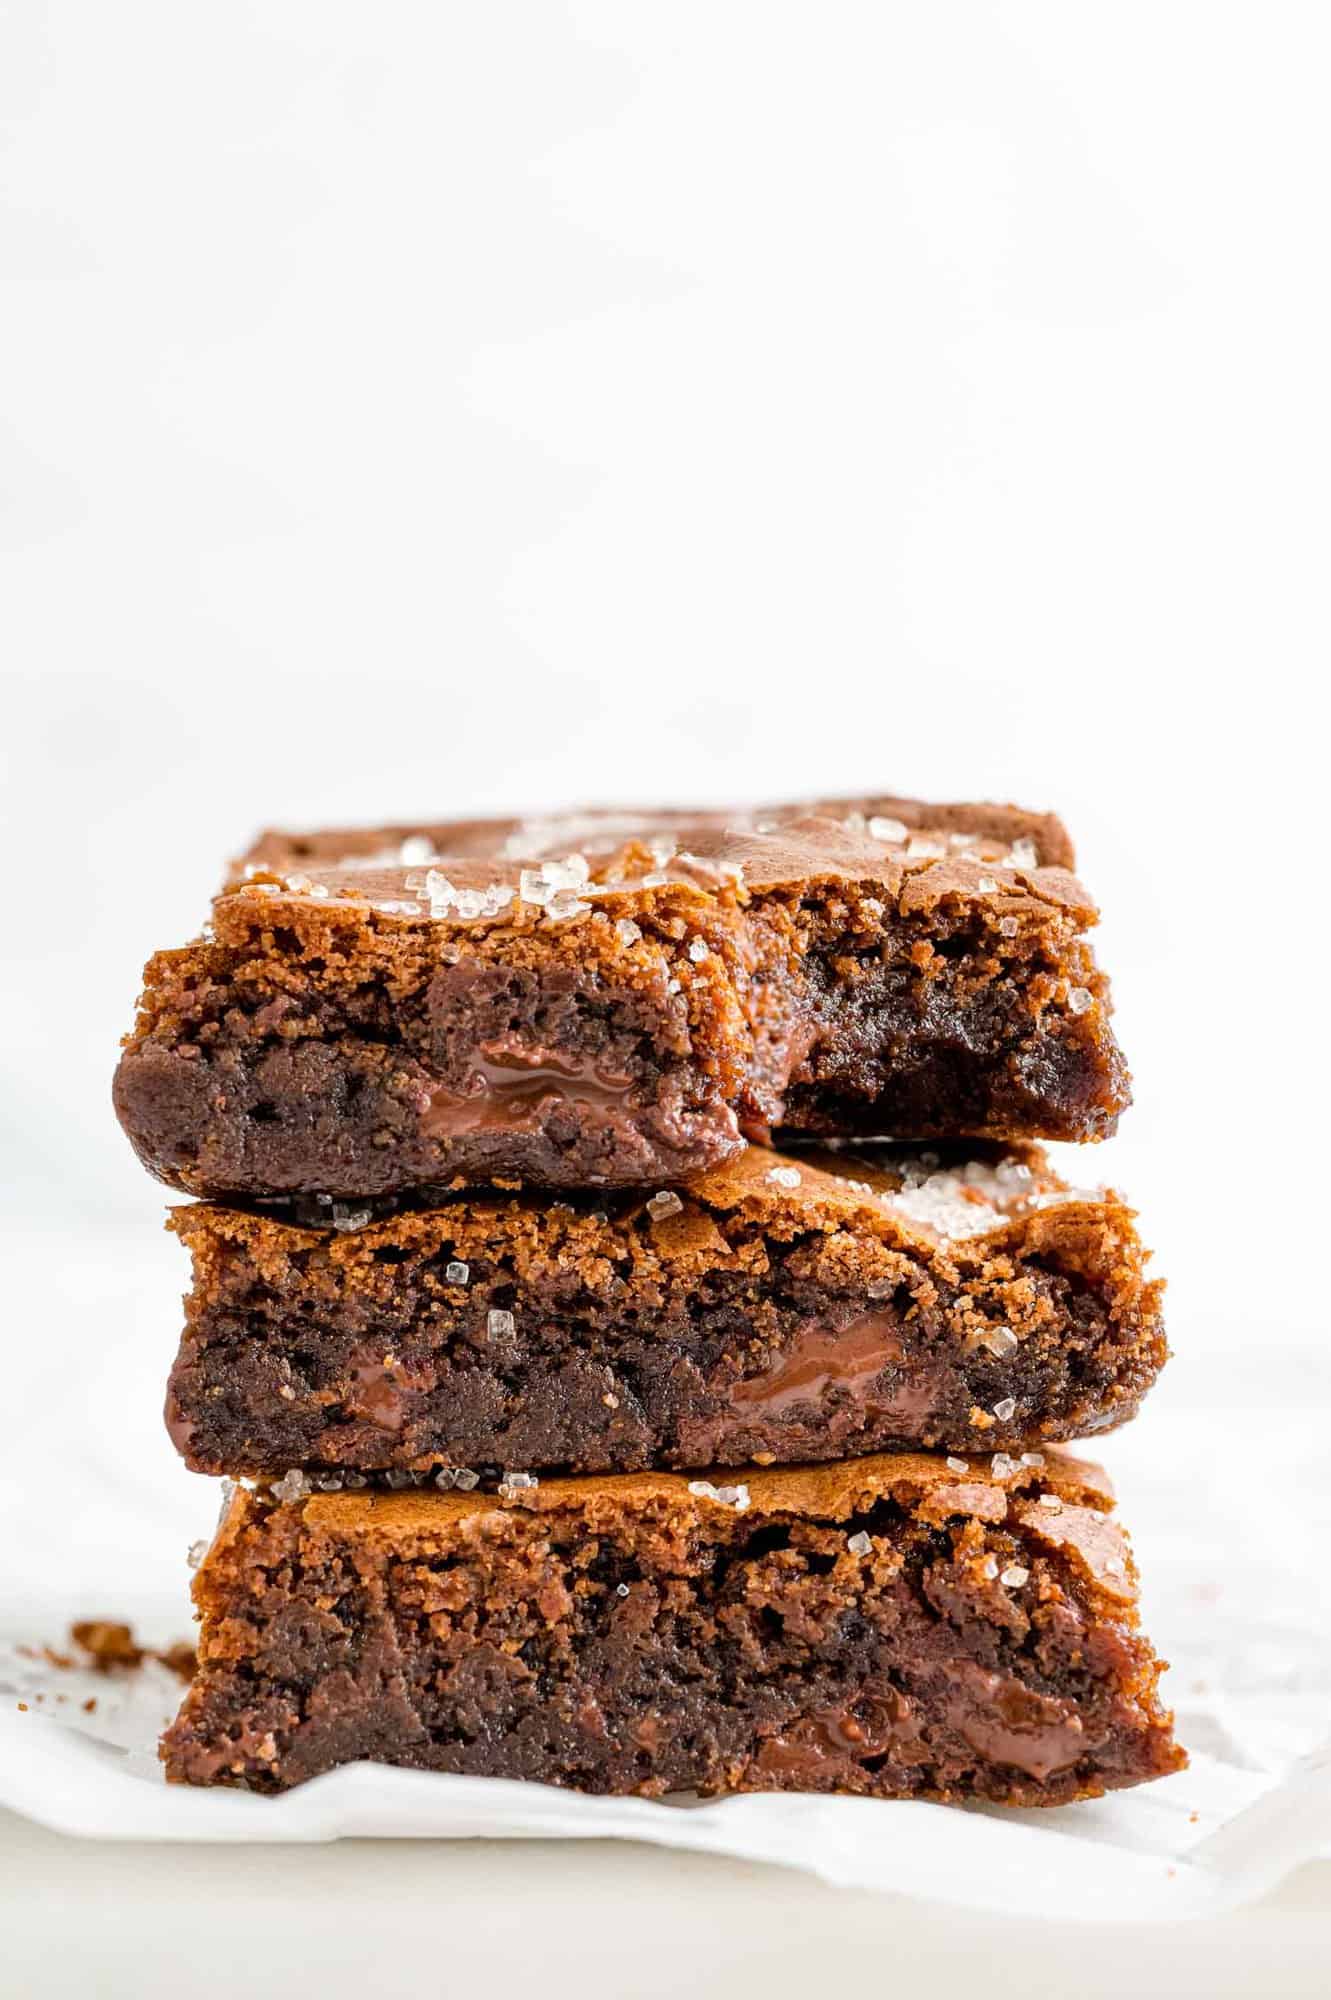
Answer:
(899, 1626)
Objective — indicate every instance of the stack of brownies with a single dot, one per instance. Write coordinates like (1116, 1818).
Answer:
(610, 1404)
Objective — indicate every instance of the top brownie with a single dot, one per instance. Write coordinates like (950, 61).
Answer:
(620, 998)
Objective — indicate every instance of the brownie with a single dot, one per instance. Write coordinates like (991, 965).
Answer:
(611, 1001)
(782, 1308)
(891, 1626)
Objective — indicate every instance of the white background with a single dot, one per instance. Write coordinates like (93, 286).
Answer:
(431, 408)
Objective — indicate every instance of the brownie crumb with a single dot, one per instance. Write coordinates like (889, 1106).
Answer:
(181, 1659)
(111, 1648)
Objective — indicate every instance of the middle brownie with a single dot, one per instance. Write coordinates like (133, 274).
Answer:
(780, 1309)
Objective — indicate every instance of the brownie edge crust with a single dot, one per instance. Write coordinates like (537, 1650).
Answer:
(898, 1627)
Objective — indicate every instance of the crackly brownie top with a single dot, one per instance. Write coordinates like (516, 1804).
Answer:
(964, 1202)
(1052, 1497)
(470, 871)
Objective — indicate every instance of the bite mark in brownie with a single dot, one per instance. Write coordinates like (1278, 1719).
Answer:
(624, 1011)
(885, 1627)
(784, 1308)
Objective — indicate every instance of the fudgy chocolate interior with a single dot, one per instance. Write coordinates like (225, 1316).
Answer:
(575, 1353)
(881, 1654)
(930, 1047)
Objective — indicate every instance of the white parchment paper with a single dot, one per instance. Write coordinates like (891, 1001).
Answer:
(1236, 1597)
(1191, 1845)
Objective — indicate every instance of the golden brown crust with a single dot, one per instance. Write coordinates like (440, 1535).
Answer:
(920, 1481)
(857, 1189)
(997, 1491)
(600, 830)
(1024, 858)
(835, 1492)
